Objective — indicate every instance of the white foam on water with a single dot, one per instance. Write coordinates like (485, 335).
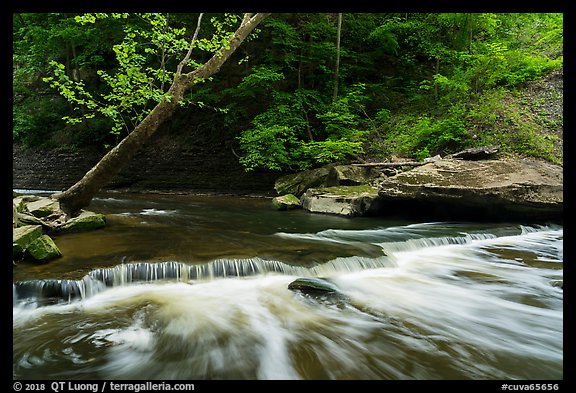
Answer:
(430, 308)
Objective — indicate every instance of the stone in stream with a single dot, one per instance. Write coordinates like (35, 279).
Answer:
(525, 189)
(474, 188)
(286, 202)
(34, 218)
(43, 249)
(297, 183)
(22, 237)
(558, 284)
(318, 289)
(84, 221)
(29, 241)
(342, 200)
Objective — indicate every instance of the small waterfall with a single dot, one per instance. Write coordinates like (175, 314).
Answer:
(54, 291)
(416, 244)
(444, 303)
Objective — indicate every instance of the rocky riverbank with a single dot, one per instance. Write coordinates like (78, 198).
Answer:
(464, 186)
(35, 218)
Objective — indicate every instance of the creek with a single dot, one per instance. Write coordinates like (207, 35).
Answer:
(195, 287)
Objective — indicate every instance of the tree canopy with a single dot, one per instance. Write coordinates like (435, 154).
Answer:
(413, 84)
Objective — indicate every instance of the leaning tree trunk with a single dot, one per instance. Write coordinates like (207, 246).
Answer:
(80, 194)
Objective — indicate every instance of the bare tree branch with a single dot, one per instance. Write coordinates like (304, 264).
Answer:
(194, 37)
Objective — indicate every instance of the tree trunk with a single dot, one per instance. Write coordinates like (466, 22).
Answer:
(337, 69)
(80, 194)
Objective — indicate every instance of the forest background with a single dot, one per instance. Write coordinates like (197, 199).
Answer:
(306, 90)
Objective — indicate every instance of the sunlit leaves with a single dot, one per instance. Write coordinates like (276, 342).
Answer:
(284, 137)
(146, 64)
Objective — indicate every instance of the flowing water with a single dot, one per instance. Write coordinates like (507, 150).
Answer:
(196, 288)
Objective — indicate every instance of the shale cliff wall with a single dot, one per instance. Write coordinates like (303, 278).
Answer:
(167, 163)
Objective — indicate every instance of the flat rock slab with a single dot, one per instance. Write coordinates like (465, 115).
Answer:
(517, 187)
(43, 207)
(343, 200)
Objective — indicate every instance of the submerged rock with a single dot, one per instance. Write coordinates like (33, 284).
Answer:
(312, 285)
(319, 290)
(558, 284)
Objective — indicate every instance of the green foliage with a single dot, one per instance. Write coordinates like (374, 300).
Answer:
(312, 153)
(276, 134)
(503, 119)
(38, 40)
(283, 137)
(135, 86)
(268, 147)
(435, 137)
(34, 119)
(146, 63)
(414, 84)
(422, 136)
(260, 81)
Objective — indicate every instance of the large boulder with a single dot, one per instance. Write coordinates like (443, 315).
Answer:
(327, 176)
(86, 220)
(286, 202)
(32, 216)
(45, 211)
(22, 237)
(29, 241)
(297, 183)
(43, 249)
(37, 210)
(43, 207)
(492, 189)
(343, 200)
(351, 175)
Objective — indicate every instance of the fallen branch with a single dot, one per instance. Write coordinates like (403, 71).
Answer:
(392, 164)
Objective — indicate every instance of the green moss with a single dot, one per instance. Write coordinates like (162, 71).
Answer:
(285, 202)
(43, 249)
(349, 191)
(23, 236)
(85, 221)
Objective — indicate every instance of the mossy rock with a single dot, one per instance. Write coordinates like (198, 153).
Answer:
(43, 249)
(85, 221)
(43, 207)
(23, 236)
(286, 202)
(297, 183)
